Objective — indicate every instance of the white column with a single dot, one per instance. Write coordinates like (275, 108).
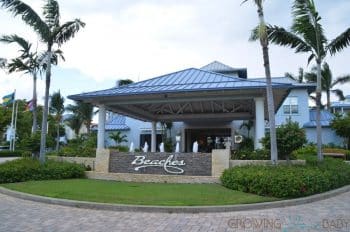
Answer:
(259, 122)
(154, 137)
(101, 127)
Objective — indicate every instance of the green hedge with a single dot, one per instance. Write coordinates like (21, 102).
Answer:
(260, 154)
(17, 153)
(28, 169)
(288, 181)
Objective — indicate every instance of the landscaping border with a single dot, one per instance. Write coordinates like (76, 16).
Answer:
(174, 209)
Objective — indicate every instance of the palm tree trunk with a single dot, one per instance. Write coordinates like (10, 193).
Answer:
(35, 123)
(58, 137)
(269, 92)
(46, 108)
(318, 112)
(328, 92)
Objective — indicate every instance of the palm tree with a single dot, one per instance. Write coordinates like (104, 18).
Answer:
(307, 36)
(118, 137)
(248, 125)
(51, 32)
(74, 122)
(57, 108)
(84, 111)
(327, 83)
(28, 63)
(3, 62)
(264, 42)
(299, 78)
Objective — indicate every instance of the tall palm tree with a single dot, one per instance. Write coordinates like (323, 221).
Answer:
(57, 108)
(84, 111)
(28, 63)
(327, 82)
(307, 36)
(51, 32)
(264, 42)
(3, 62)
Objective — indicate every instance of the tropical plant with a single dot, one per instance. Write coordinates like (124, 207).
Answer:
(264, 42)
(290, 137)
(341, 126)
(51, 32)
(84, 111)
(299, 78)
(307, 36)
(75, 123)
(28, 63)
(327, 82)
(57, 108)
(118, 137)
(248, 125)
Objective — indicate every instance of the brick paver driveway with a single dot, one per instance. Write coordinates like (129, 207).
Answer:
(328, 215)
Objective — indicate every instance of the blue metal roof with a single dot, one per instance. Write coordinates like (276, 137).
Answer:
(191, 79)
(326, 118)
(219, 67)
(340, 104)
(115, 123)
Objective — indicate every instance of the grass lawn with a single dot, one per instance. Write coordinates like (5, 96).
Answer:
(138, 193)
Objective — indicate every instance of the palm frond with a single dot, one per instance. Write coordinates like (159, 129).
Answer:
(17, 65)
(339, 94)
(327, 77)
(280, 36)
(310, 77)
(67, 31)
(52, 14)
(29, 16)
(24, 44)
(306, 23)
(342, 80)
(340, 42)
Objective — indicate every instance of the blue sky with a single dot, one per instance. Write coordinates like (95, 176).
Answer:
(140, 39)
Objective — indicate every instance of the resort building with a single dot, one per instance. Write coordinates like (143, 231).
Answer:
(207, 105)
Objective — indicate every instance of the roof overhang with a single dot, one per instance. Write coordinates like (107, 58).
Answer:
(237, 104)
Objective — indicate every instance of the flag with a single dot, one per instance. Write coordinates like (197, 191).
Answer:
(8, 99)
(30, 105)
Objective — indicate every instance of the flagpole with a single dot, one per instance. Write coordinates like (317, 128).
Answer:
(12, 118)
(14, 139)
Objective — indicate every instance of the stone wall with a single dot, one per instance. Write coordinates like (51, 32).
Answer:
(153, 178)
(189, 164)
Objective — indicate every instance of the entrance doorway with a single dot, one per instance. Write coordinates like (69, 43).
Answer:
(208, 139)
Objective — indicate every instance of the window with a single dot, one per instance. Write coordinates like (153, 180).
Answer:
(290, 106)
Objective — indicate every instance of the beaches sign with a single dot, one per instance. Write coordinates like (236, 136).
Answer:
(170, 165)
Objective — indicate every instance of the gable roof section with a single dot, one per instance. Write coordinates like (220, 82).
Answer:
(188, 80)
(115, 123)
(219, 67)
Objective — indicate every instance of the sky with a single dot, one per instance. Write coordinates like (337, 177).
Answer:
(141, 39)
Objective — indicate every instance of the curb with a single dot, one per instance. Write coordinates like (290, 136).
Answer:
(174, 209)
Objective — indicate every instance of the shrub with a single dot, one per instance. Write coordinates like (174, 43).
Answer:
(7, 153)
(247, 144)
(120, 148)
(28, 169)
(260, 154)
(289, 138)
(288, 181)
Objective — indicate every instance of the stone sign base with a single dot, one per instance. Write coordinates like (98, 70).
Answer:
(152, 178)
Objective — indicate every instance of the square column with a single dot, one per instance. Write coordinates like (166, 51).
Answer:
(101, 127)
(154, 137)
(259, 122)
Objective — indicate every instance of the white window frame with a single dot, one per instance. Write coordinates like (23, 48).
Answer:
(291, 106)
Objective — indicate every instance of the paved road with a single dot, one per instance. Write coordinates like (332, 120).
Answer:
(3, 160)
(328, 215)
